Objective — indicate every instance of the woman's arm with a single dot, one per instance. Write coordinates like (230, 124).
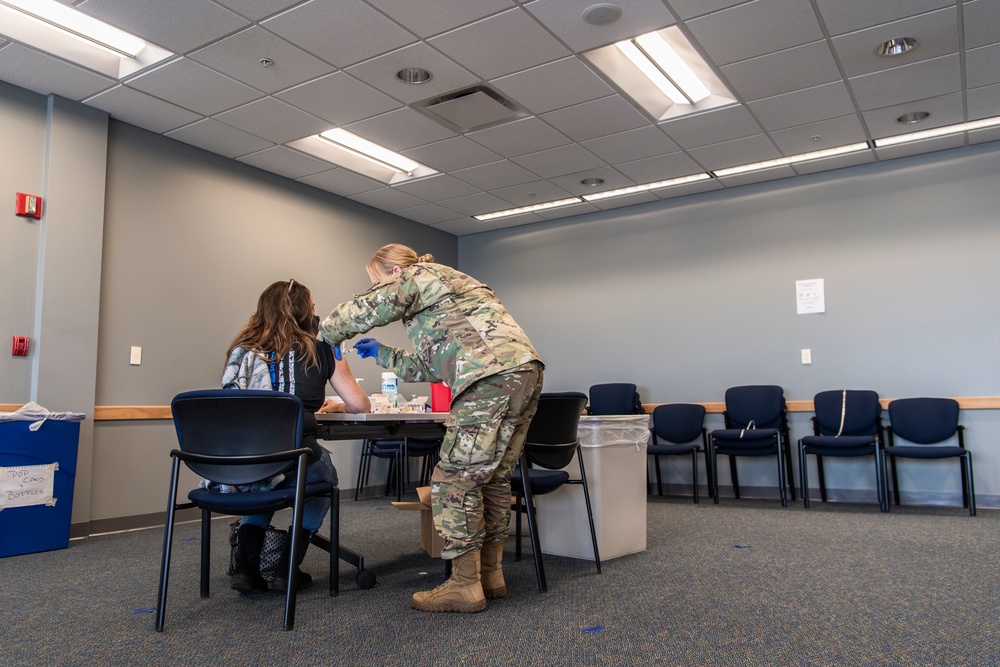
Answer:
(347, 387)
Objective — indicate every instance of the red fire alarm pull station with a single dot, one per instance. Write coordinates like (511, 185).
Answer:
(28, 206)
(19, 346)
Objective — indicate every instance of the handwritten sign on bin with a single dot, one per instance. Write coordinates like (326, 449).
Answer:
(21, 486)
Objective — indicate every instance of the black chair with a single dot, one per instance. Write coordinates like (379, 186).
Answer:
(382, 448)
(755, 425)
(236, 438)
(428, 450)
(848, 423)
(927, 423)
(550, 446)
(679, 425)
(613, 398)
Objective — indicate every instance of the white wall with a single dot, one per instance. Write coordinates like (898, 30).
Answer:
(688, 297)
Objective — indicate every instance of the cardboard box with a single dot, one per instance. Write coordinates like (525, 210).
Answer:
(430, 540)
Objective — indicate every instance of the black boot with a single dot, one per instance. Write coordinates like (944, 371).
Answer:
(280, 580)
(246, 571)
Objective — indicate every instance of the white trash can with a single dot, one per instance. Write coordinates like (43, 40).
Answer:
(614, 456)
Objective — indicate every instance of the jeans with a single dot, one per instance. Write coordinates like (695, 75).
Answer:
(314, 509)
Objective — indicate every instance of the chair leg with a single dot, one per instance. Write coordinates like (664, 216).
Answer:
(694, 475)
(168, 539)
(334, 542)
(708, 469)
(659, 480)
(590, 513)
(880, 488)
(714, 476)
(782, 482)
(734, 475)
(363, 467)
(206, 551)
(895, 480)
(784, 444)
(519, 507)
(804, 474)
(822, 478)
(965, 483)
(967, 468)
(536, 545)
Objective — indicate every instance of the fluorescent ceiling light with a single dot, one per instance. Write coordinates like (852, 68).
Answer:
(667, 60)
(647, 186)
(64, 32)
(528, 209)
(652, 72)
(791, 159)
(937, 132)
(370, 151)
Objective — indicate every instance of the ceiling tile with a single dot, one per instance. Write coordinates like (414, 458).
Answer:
(477, 204)
(804, 106)
(255, 10)
(920, 147)
(927, 78)
(711, 127)
(982, 66)
(984, 135)
(388, 199)
(736, 152)
(446, 74)
(688, 9)
(936, 34)
(400, 129)
(194, 86)
(567, 211)
(44, 74)
(239, 56)
(464, 226)
(842, 16)
(982, 22)
(452, 154)
(820, 136)
(501, 44)
(782, 72)
(434, 188)
(519, 137)
(177, 25)
(553, 86)
(761, 176)
(529, 194)
(608, 115)
(558, 161)
(565, 19)
(495, 175)
(836, 162)
(430, 18)
(625, 200)
(517, 220)
(321, 28)
(660, 168)
(342, 182)
(219, 138)
(273, 120)
(285, 161)
(687, 189)
(339, 98)
(142, 110)
(984, 102)
(631, 145)
(943, 110)
(755, 28)
(613, 179)
(428, 214)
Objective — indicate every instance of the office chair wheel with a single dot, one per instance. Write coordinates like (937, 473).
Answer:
(366, 579)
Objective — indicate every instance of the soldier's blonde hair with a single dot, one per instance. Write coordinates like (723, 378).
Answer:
(389, 256)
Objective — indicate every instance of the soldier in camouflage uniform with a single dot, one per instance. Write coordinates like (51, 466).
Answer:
(462, 336)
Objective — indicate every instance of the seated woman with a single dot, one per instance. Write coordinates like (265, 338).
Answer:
(278, 349)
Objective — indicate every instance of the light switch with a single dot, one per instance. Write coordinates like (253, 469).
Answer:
(135, 358)
(807, 355)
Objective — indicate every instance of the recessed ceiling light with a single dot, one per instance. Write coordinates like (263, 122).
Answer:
(413, 75)
(913, 117)
(896, 46)
(602, 14)
(266, 62)
(592, 182)
(938, 132)
(527, 209)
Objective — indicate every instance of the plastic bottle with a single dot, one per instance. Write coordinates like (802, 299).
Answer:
(390, 388)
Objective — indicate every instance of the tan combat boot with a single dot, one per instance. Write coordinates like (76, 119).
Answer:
(463, 592)
(494, 586)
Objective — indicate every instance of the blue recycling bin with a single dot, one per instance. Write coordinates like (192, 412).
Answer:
(37, 476)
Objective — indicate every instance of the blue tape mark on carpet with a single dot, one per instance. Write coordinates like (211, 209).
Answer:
(380, 508)
(593, 628)
(144, 611)
(742, 546)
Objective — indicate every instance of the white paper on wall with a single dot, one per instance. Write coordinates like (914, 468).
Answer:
(810, 296)
(21, 486)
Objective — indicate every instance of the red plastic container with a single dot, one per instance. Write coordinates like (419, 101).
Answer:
(440, 397)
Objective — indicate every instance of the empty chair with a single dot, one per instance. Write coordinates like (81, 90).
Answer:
(614, 398)
(382, 448)
(847, 423)
(550, 446)
(427, 450)
(929, 423)
(236, 438)
(756, 425)
(681, 427)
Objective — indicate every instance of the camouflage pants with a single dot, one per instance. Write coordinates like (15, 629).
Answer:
(470, 487)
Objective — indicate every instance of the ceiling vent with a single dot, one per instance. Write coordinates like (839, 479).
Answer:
(472, 109)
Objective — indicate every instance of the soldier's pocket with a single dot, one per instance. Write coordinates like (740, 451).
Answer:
(475, 435)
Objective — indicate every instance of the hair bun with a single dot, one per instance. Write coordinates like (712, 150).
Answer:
(426, 258)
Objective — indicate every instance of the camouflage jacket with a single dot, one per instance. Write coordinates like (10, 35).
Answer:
(459, 329)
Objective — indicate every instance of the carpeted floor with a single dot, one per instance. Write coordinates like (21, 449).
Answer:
(742, 583)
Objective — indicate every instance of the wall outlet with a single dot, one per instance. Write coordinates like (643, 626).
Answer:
(807, 355)
(135, 357)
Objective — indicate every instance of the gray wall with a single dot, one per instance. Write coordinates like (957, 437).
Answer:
(688, 297)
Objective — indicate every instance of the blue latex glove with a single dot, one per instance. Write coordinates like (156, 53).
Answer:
(367, 347)
(336, 353)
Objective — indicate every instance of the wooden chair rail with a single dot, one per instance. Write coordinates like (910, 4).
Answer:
(147, 412)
